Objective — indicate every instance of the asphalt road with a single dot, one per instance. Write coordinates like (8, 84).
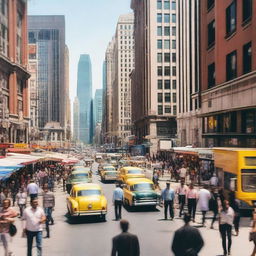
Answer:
(91, 237)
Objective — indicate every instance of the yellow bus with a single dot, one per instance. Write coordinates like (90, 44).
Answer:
(236, 170)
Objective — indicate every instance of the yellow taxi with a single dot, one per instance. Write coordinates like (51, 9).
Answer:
(82, 168)
(87, 199)
(140, 192)
(129, 172)
(108, 173)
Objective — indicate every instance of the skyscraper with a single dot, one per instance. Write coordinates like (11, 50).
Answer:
(84, 94)
(76, 120)
(97, 107)
(154, 78)
(48, 33)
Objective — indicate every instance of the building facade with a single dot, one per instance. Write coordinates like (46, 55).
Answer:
(33, 90)
(107, 125)
(121, 89)
(48, 33)
(189, 126)
(154, 80)
(84, 95)
(14, 94)
(228, 73)
(97, 107)
(76, 117)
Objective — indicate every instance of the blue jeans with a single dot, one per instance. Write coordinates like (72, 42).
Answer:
(30, 237)
(48, 214)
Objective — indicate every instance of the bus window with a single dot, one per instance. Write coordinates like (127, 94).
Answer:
(227, 180)
(249, 180)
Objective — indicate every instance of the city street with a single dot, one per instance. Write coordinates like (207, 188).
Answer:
(91, 237)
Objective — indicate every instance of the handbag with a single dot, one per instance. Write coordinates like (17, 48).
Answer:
(12, 230)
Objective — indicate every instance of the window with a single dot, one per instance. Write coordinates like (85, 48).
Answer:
(174, 71)
(211, 33)
(167, 109)
(174, 18)
(167, 71)
(167, 18)
(167, 4)
(231, 69)
(167, 44)
(159, 17)
(174, 57)
(159, 97)
(167, 84)
(159, 71)
(167, 97)
(173, 31)
(159, 31)
(174, 99)
(173, 5)
(160, 110)
(159, 4)
(247, 58)
(166, 31)
(173, 44)
(167, 57)
(160, 84)
(247, 10)
(175, 110)
(159, 57)
(174, 84)
(3, 4)
(159, 44)
(211, 75)
(210, 4)
(231, 18)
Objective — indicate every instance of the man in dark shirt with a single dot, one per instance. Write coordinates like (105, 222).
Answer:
(125, 244)
(187, 240)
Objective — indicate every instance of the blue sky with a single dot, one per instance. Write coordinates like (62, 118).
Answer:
(90, 25)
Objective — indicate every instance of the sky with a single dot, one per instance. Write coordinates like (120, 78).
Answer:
(90, 26)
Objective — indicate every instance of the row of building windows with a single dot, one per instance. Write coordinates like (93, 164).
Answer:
(231, 65)
(166, 31)
(166, 18)
(166, 4)
(126, 26)
(127, 42)
(166, 83)
(231, 19)
(167, 97)
(167, 44)
(166, 57)
(167, 110)
(167, 71)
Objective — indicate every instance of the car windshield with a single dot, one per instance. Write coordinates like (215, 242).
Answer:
(135, 171)
(79, 175)
(249, 183)
(111, 173)
(142, 187)
(109, 169)
(89, 192)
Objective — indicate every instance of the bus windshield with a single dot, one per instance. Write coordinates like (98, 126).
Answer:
(249, 182)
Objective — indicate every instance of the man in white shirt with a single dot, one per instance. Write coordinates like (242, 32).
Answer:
(183, 173)
(182, 191)
(32, 189)
(33, 219)
(203, 202)
(118, 196)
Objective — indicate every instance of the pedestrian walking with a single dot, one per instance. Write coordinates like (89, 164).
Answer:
(187, 240)
(203, 202)
(183, 173)
(7, 216)
(226, 221)
(21, 198)
(33, 219)
(118, 196)
(192, 198)
(48, 205)
(182, 191)
(213, 205)
(234, 204)
(14, 191)
(3, 195)
(125, 244)
(32, 189)
(167, 196)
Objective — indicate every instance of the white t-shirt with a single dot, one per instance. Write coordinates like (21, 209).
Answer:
(32, 218)
(183, 172)
(32, 188)
(227, 217)
(203, 199)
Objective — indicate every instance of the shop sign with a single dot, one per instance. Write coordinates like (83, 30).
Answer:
(20, 145)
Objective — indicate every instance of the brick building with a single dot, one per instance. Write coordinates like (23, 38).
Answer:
(14, 94)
